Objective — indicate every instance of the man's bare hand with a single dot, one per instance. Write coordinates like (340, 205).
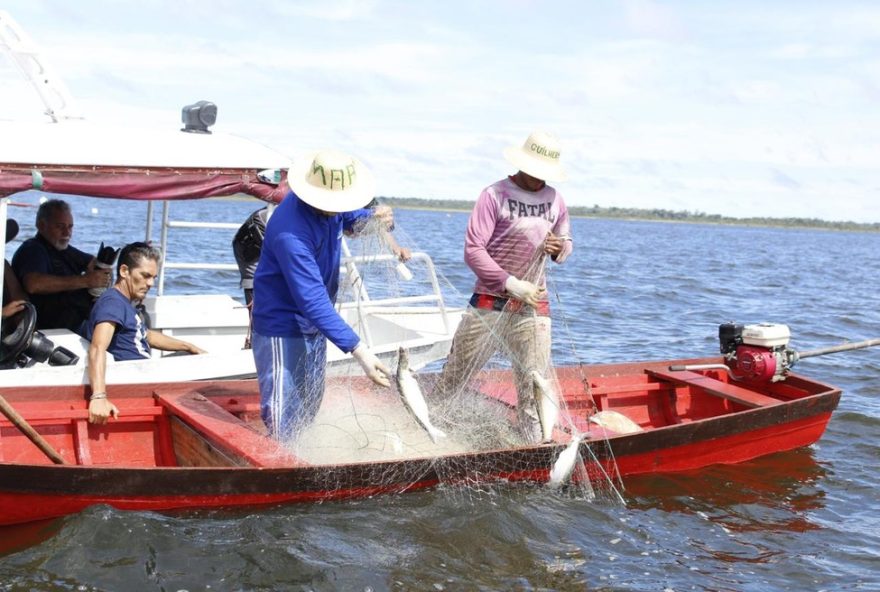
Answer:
(100, 410)
(12, 308)
(385, 215)
(553, 244)
(97, 277)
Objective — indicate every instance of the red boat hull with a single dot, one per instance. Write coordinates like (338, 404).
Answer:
(685, 426)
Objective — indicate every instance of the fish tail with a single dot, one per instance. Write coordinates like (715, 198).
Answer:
(435, 433)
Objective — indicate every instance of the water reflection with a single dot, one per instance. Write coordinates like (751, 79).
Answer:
(21, 536)
(776, 493)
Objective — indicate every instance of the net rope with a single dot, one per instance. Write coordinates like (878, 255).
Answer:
(489, 434)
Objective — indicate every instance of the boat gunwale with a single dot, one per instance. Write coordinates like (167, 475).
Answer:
(105, 480)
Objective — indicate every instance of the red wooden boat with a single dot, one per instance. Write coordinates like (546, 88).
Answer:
(201, 444)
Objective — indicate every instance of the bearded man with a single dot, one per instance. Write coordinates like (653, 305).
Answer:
(55, 275)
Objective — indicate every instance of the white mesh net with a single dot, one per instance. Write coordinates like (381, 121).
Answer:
(495, 402)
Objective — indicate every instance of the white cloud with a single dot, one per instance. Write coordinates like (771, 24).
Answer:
(331, 10)
(651, 18)
(811, 51)
(709, 108)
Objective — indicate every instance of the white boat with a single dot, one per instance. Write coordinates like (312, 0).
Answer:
(73, 157)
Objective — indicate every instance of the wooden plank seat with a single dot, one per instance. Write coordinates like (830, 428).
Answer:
(725, 390)
(229, 439)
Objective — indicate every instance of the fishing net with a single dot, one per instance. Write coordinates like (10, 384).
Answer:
(485, 408)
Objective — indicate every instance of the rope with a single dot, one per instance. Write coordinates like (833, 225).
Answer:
(551, 283)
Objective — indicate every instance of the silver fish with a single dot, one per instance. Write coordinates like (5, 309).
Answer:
(615, 422)
(411, 395)
(565, 463)
(547, 404)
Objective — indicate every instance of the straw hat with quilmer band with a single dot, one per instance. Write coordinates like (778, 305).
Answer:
(331, 181)
(538, 157)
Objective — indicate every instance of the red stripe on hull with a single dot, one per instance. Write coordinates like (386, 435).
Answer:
(26, 507)
(726, 450)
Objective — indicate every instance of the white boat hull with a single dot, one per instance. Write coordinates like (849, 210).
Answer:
(218, 324)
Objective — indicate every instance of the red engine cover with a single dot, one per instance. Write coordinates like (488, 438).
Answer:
(757, 364)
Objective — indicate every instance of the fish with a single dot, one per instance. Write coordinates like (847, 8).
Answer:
(411, 395)
(615, 421)
(565, 463)
(547, 404)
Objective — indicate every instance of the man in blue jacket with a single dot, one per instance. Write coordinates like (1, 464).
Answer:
(295, 287)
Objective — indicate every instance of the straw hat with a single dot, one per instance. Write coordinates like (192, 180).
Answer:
(538, 157)
(331, 181)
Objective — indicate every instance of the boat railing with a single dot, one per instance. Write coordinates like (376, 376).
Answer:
(362, 302)
(349, 263)
(168, 224)
(200, 265)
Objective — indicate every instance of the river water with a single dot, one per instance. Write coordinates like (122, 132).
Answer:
(802, 520)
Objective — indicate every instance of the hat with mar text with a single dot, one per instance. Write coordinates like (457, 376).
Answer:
(331, 181)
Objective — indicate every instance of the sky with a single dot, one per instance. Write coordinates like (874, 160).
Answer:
(739, 108)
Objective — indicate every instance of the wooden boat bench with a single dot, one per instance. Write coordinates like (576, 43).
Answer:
(725, 390)
(206, 434)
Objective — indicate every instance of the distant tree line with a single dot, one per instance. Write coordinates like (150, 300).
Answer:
(597, 211)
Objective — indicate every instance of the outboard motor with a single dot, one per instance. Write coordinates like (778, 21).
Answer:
(760, 353)
(756, 353)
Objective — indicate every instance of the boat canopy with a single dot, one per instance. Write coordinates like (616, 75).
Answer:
(79, 158)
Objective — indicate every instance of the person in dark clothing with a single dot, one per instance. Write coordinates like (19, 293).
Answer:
(57, 276)
(246, 247)
(14, 296)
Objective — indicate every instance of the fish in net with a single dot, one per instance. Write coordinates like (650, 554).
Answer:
(493, 401)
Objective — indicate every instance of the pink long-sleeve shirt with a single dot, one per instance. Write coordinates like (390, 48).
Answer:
(505, 233)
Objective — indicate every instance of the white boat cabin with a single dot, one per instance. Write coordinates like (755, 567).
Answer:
(71, 157)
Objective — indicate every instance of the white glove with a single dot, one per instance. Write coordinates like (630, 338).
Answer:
(373, 367)
(522, 290)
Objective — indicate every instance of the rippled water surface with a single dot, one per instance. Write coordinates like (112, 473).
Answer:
(802, 520)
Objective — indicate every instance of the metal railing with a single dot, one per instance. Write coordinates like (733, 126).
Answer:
(168, 224)
(363, 303)
(348, 265)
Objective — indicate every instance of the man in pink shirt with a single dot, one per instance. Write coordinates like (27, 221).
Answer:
(515, 224)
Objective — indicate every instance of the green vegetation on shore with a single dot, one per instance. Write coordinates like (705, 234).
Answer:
(655, 214)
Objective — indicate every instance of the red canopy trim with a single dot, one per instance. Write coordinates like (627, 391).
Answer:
(140, 184)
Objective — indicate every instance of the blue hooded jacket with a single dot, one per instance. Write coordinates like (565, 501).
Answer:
(298, 275)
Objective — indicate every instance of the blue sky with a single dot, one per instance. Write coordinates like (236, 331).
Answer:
(735, 108)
